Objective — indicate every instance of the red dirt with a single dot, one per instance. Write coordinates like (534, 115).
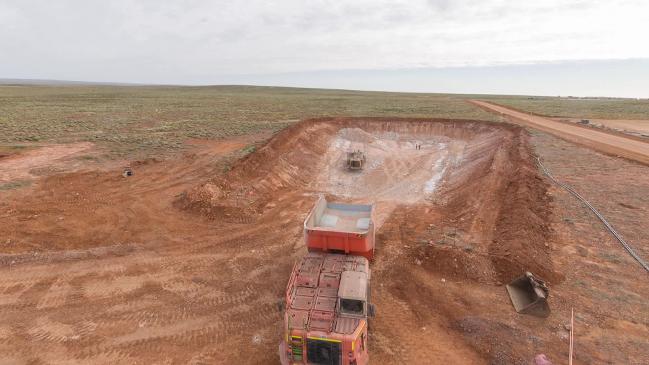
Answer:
(184, 263)
(28, 165)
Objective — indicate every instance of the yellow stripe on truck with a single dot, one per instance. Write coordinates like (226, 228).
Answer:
(324, 339)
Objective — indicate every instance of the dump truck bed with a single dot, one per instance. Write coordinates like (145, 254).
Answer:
(344, 218)
(340, 228)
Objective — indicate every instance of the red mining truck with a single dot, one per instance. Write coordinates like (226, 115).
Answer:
(328, 293)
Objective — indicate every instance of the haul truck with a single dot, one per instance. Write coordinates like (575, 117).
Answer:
(328, 294)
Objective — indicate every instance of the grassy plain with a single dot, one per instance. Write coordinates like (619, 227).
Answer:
(140, 121)
(589, 108)
(130, 120)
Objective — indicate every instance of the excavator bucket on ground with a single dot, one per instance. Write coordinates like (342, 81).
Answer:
(529, 295)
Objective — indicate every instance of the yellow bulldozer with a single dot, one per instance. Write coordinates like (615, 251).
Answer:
(355, 160)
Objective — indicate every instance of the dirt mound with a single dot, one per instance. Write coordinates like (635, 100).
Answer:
(522, 231)
(209, 200)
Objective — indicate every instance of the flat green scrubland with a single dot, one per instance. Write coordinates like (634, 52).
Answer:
(141, 121)
(587, 108)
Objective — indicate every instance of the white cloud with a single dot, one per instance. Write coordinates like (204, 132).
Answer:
(187, 41)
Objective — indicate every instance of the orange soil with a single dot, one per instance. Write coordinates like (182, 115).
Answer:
(184, 263)
(49, 158)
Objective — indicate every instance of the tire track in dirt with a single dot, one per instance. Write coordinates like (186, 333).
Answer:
(207, 330)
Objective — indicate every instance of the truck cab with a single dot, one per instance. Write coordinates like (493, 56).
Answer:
(353, 294)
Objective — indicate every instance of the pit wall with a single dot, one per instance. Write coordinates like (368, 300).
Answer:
(289, 159)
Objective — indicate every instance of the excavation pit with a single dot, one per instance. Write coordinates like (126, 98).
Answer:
(477, 177)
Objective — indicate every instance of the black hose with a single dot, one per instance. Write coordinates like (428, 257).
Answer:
(608, 226)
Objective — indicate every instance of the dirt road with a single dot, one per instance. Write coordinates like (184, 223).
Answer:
(612, 144)
(634, 127)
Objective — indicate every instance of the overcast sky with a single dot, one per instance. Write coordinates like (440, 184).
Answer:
(313, 42)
